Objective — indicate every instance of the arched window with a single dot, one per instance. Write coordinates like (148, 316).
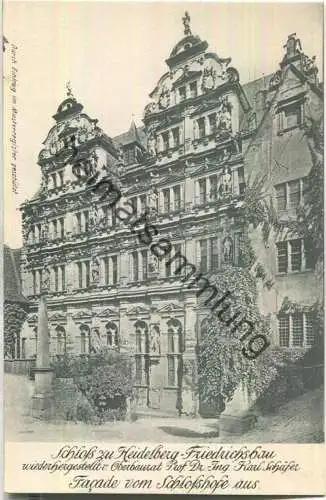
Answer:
(60, 334)
(84, 339)
(112, 334)
(142, 349)
(175, 347)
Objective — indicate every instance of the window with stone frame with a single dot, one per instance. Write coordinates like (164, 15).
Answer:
(296, 330)
(291, 116)
(114, 260)
(182, 93)
(241, 180)
(177, 198)
(165, 140)
(212, 123)
(201, 128)
(282, 257)
(174, 334)
(166, 200)
(144, 254)
(141, 354)
(203, 256)
(176, 137)
(213, 187)
(135, 266)
(296, 255)
(290, 195)
(142, 203)
(112, 334)
(193, 89)
(294, 193)
(280, 196)
(202, 191)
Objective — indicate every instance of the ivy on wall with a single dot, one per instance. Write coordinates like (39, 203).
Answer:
(14, 317)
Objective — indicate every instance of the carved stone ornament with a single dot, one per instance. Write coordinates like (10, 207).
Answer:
(275, 80)
(164, 99)
(151, 145)
(209, 78)
(155, 340)
(228, 250)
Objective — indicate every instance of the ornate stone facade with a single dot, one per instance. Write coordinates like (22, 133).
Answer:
(187, 166)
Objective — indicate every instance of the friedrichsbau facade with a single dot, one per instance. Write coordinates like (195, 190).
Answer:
(204, 135)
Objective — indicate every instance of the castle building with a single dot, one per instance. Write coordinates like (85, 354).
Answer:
(204, 133)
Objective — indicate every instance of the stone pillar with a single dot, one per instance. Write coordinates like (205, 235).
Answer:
(237, 417)
(189, 381)
(42, 403)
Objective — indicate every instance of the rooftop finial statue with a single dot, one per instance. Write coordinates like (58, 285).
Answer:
(186, 23)
(69, 89)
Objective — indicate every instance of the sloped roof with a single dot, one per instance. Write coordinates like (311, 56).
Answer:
(12, 278)
(133, 135)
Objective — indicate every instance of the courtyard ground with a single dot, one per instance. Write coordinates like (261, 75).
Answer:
(299, 421)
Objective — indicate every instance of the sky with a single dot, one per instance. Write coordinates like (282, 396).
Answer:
(113, 53)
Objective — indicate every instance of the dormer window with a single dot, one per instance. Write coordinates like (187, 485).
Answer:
(182, 93)
(193, 89)
(290, 116)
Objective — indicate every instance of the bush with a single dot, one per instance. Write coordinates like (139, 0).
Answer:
(104, 379)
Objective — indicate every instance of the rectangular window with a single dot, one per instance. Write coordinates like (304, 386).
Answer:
(144, 263)
(80, 274)
(106, 271)
(213, 191)
(86, 219)
(280, 196)
(171, 371)
(284, 331)
(87, 274)
(182, 93)
(61, 177)
(297, 330)
(114, 261)
(54, 180)
(201, 127)
(310, 333)
(212, 123)
(56, 279)
(282, 257)
(165, 139)
(214, 253)
(203, 256)
(292, 116)
(178, 261)
(294, 194)
(79, 224)
(62, 228)
(309, 254)
(193, 89)
(177, 198)
(138, 369)
(130, 156)
(135, 269)
(176, 137)
(34, 282)
(55, 229)
(166, 200)
(241, 180)
(296, 255)
(63, 278)
(202, 191)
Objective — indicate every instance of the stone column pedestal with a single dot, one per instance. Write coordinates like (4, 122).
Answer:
(42, 399)
(238, 417)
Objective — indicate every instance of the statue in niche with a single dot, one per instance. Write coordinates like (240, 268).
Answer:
(225, 121)
(155, 343)
(151, 144)
(228, 250)
(225, 186)
(209, 78)
(95, 270)
(45, 229)
(45, 283)
(153, 264)
(153, 200)
(96, 341)
(164, 99)
(93, 217)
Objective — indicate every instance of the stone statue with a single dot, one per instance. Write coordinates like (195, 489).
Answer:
(45, 284)
(309, 65)
(155, 344)
(209, 78)
(95, 269)
(227, 181)
(186, 24)
(153, 200)
(96, 340)
(225, 121)
(228, 249)
(151, 144)
(153, 264)
(292, 46)
(164, 99)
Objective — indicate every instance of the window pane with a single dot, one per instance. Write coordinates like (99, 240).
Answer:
(297, 330)
(282, 257)
(115, 269)
(294, 194)
(165, 137)
(280, 197)
(193, 89)
(203, 256)
(212, 123)
(201, 127)
(166, 200)
(296, 257)
(310, 333)
(135, 266)
(202, 191)
(176, 137)
(214, 253)
(145, 263)
(284, 331)
(292, 116)
(177, 199)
